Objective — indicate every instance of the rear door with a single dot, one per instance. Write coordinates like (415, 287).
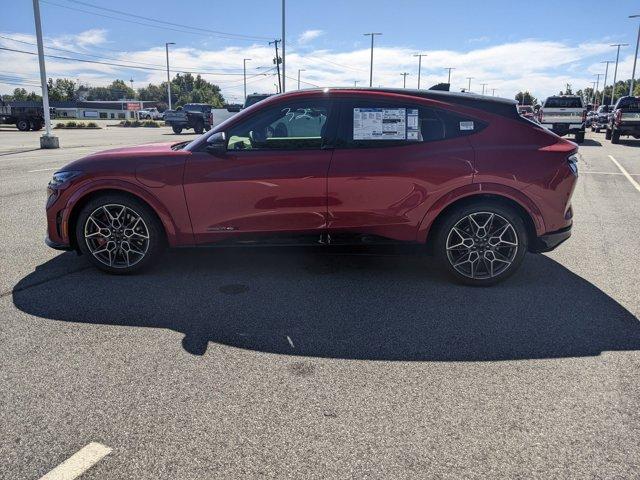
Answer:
(392, 161)
(272, 181)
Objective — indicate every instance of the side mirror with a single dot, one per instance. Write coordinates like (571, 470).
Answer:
(217, 143)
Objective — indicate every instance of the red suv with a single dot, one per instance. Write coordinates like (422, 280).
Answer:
(465, 175)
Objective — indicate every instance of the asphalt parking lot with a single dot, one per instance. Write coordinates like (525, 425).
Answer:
(306, 364)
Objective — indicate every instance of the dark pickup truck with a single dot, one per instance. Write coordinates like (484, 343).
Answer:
(24, 115)
(191, 115)
(625, 119)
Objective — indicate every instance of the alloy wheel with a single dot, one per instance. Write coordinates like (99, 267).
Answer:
(116, 235)
(482, 245)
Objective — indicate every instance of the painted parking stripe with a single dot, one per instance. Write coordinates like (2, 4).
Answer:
(79, 462)
(43, 169)
(626, 174)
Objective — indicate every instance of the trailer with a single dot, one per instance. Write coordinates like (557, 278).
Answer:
(24, 115)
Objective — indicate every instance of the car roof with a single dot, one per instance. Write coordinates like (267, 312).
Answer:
(497, 105)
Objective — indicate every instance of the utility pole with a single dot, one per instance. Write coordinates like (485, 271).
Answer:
(493, 92)
(355, 83)
(483, 86)
(404, 79)
(597, 75)
(244, 74)
(606, 72)
(615, 72)
(635, 58)
(277, 61)
(284, 70)
(373, 34)
(166, 46)
(300, 70)
(449, 78)
(419, 55)
(48, 140)
(593, 93)
(469, 78)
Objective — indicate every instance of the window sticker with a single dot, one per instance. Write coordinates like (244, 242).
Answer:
(466, 126)
(380, 123)
(413, 125)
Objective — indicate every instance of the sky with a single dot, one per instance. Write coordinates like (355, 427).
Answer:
(507, 45)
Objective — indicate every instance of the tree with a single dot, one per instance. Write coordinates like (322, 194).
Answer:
(62, 89)
(528, 98)
(118, 90)
(184, 89)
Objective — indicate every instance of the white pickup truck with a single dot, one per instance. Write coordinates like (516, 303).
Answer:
(150, 113)
(564, 114)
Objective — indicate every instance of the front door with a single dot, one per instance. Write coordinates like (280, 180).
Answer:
(272, 181)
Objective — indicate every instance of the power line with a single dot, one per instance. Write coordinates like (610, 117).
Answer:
(302, 81)
(190, 29)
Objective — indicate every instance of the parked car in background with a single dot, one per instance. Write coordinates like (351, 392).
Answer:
(624, 120)
(24, 115)
(589, 119)
(601, 118)
(461, 174)
(191, 115)
(563, 115)
(250, 100)
(150, 114)
(526, 111)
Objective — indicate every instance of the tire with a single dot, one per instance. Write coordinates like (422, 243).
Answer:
(580, 137)
(607, 134)
(597, 130)
(35, 126)
(615, 136)
(199, 128)
(177, 130)
(23, 125)
(112, 244)
(488, 268)
(148, 117)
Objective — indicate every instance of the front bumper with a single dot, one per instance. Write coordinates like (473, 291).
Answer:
(57, 246)
(549, 241)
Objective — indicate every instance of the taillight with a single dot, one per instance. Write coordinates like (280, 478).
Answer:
(541, 115)
(572, 161)
(618, 117)
(584, 115)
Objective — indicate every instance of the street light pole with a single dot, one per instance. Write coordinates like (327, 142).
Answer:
(48, 140)
(449, 78)
(373, 34)
(419, 55)
(597, 75)
(355, 83)
(493, 92)
(483, 86)
(284, 70)
(606, 73)
(615, 72)
(469, 89)
(166, 46)
(300, 70)
(635, 58)
(244, 74)
(404, 78)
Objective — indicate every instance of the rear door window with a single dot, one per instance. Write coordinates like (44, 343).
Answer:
(563, 102)
(379, 124)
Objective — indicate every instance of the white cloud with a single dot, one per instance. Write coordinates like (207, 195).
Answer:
(542, 67)
(309, 35)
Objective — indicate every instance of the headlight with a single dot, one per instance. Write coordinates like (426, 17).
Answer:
(572, 160)
(60, 178)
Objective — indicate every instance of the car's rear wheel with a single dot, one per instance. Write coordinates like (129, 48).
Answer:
(23, 125)
(199, 128)
(580, 137)
(615, 136)
(119, 234)
(607, 134)
(177, 130)
(482, 243)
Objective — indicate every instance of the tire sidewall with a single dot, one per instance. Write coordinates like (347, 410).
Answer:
(456, 215)
(156, 231)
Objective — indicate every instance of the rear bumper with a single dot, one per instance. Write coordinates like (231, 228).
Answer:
(564, 128)
(549, 241)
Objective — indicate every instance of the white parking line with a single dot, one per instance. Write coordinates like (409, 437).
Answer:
(79, 462)
(43, 169)
(626, 174)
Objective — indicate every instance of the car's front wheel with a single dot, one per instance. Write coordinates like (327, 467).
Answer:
(177, 130)
(482, 243)
(119, 234)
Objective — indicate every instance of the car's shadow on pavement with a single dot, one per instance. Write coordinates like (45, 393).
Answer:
(303, 302)
(589, 142)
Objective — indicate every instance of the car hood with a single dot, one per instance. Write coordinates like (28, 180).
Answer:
(132, 156)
